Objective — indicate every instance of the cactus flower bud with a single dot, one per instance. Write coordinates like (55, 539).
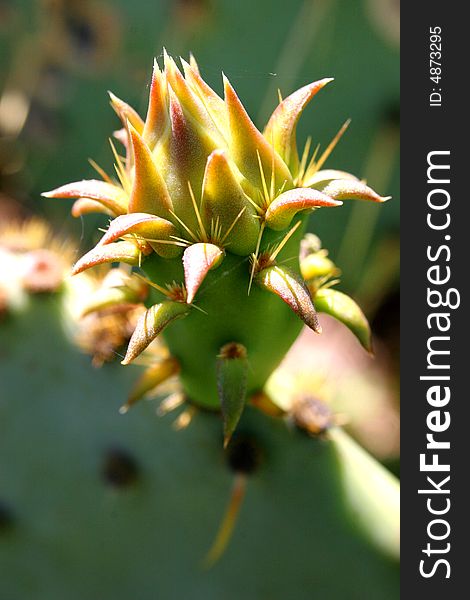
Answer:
(210, 208)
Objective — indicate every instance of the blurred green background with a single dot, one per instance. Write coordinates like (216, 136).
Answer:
(58, 58)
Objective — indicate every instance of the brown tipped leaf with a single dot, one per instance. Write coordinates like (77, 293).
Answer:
(344, 309)
(232, 377)
(149, 192)
(224, 202)
(284, 208)
(350, 189)
(281, 127)
(125, 252)
(112, 197)
(247, 143)
(286, 284)
(150, 379)
(151, 323)
(198, 260)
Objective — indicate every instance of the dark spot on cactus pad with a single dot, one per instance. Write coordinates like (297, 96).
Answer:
(244, 454)
(6, 518)
(312, 415)
(232, 350)
(119, 468)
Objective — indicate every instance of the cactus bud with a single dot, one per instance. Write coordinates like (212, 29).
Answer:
(199, 175)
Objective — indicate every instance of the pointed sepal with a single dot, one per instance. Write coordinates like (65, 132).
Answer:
(151, 324)
(290, 288)
(281, 128)
(147, 226)
(344, 309)
(224, 203)
(232, 378)
(126, 252)
(188, 98)
(350, 189)
(111, 196)
(249, 147)
(284, 208)
(126, 113)
(157, 121)
(87, 206)
(322, 178)
(198, 260)
(193, 63)
(149, 192)
(212, 101)
(150, 379)
(183, 158)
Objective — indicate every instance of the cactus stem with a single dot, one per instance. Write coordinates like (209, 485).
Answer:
(229, 520)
